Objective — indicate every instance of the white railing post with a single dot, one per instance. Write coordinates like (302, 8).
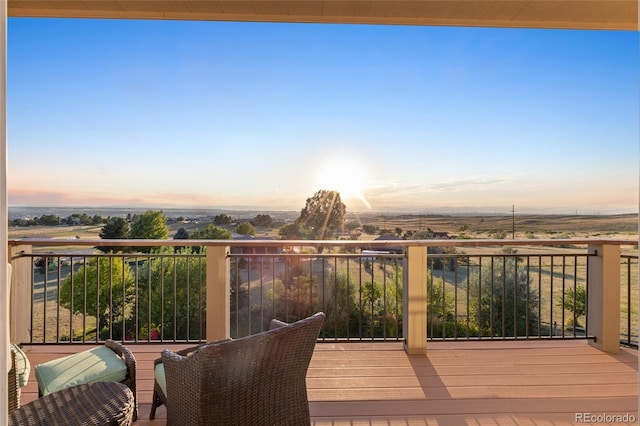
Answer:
(20, 293)
(415, 301)
(603, 297)
(218, 293)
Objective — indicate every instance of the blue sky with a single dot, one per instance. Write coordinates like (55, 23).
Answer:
(261, 115)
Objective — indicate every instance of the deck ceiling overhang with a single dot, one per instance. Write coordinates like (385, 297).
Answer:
(561, 14)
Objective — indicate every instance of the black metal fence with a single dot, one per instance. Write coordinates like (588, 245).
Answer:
(629, 300)
(507, 296)
(85, 298)
(89, 298)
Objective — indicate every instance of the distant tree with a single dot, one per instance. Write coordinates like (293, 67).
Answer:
(290, 231)
(387, 232)
(115, 228)
(322, 215)
(171, 298)
(222, 219)
(49, 220)
(116, 284)
(263, 220)
(441, 303)
(441, 320)
(245, 228)
(23, 222)
(574, 302)
(210, 232)
(506, 305)
(498, 234)
(423, 235)
(398, 231)
(79, 219)
(85, 219)
(150, 225)
(370, 229)
(351, 225)
(181, 234)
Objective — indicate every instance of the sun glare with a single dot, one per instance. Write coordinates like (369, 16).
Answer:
(345, 176)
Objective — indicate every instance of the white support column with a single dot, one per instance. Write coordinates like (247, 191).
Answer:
(20, 293)
(415, 301)
(603, 297)
(218, 293)
(4, 219)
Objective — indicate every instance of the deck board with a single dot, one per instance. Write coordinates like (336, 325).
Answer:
(527, 382)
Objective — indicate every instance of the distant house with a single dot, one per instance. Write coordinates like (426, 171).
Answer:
(253, 249)
(387, 249)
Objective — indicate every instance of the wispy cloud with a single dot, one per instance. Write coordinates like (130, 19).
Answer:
(21, 197)
(395, 190)
(465, 183)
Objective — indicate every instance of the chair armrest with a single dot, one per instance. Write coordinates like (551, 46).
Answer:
(13, 385)
(130, 361)
(125, 354)
(187, 351)
(277, 324)
(183, 355)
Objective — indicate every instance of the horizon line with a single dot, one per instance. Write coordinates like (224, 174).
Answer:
(396, 211)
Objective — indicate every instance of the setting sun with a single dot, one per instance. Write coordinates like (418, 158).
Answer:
(345, 176)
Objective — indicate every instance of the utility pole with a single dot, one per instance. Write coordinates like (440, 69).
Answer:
(513, 222)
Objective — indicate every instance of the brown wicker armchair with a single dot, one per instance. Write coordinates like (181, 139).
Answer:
(13, 388)
(255, 380)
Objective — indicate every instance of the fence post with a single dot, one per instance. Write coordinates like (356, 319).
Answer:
(20, 311)
(218, 293)
(415, 301)
(603, 297)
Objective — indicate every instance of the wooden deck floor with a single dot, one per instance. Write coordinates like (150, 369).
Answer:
(458, 383)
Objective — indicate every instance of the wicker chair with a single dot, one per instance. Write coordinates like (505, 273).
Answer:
(255, 380)
(13, 387)
(159, 397)
(87, 404)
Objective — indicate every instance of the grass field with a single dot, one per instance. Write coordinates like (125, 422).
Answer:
(472, 226)
(525, 226)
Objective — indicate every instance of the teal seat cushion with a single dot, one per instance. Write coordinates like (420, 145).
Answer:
(161, 378)
(23, 367)
(99, 364)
